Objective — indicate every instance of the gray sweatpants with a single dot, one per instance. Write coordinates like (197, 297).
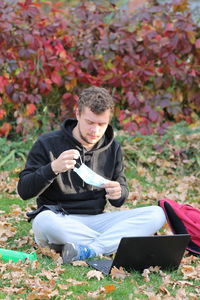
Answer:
(101, 232)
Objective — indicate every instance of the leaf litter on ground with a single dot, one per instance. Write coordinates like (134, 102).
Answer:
(152, 178)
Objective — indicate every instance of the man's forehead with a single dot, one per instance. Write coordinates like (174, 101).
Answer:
(89, 115)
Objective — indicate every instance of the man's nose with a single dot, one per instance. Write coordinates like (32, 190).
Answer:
(95, 129)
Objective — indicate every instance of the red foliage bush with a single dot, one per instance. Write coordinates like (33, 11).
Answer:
(149, 61)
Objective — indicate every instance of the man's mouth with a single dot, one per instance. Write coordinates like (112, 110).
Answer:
(93, 137)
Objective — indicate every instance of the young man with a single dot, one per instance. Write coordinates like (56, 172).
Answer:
(70, 211)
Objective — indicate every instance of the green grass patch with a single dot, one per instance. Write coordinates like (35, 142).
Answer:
(155, 166)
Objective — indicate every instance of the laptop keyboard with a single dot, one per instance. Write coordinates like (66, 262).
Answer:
(101, 265)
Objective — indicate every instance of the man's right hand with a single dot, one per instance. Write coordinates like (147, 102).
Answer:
(65, 161)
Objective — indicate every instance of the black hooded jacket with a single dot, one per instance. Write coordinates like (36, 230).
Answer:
(67, 192)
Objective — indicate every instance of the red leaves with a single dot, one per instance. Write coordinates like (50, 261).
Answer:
(197, 44)
(30, 109)
(5, 129)
(51, 56)
(3, 83)
(25, 4)
(2, 113)
(56, 78)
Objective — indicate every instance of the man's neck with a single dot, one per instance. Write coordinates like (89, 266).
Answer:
(76, 135)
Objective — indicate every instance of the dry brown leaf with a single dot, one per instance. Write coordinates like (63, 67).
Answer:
(51, 253)
(75, 282)
(95, 273)
(148, 290)
(194, 297)
(12, 290)
(190, 272)
(35, 264)
(16, 210)
(94, 294)
(164, 290)
(42, 294)
(7, 184)
(184, 283)
(59, 270)
(118, 273)
(99, 293)
(79, 263)
(109, 288)
(6, 231)
(23, 240)
(155, 269)
(50, 274)
(154, 297)
(69, 293)
(145, 274)
(63, 286)
(189, 259)
(166, 278)
(181, 294)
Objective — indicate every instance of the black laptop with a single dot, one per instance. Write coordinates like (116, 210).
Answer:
(141, 252)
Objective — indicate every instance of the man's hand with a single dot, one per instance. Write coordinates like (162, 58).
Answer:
(65, 161)
(113, 190)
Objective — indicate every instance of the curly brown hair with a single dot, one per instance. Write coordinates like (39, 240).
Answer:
(97, 99)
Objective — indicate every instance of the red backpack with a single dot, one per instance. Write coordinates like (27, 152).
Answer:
(183, 218)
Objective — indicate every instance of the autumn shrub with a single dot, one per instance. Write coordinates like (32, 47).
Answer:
(148, 60)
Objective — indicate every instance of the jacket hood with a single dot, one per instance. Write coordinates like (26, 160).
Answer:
(68, 126)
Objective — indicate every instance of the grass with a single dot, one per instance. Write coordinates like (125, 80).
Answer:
(155, 167)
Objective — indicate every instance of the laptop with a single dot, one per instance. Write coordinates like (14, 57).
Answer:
(141, 252)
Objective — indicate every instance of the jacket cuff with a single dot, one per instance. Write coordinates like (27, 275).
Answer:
(47, 172)
(121, 200)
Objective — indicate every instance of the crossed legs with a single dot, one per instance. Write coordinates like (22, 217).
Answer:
(101, 232)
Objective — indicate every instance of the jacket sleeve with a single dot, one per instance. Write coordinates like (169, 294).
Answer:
(37, 174)
(120, 177)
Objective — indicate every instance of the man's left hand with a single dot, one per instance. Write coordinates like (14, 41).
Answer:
(113, 190)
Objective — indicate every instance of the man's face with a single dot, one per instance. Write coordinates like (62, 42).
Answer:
(91, 127)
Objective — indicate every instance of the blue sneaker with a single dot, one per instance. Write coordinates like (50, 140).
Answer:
(71, 252)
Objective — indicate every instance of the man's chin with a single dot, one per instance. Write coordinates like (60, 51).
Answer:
(92, 141)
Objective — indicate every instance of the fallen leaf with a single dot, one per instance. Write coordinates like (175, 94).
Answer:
(155, 269)
(79, 263)
(184, 283)
(51, 253)
(109, 288)
(189, 272)
(189, 259)
(63, 286)
(118, 273)
(11, 290)
(164, 290)
(103, 291)
(76, 282)
(43, 294)
(94, 273)
(94, 294)
(145, 274)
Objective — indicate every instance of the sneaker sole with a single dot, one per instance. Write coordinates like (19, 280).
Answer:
(69, 253)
